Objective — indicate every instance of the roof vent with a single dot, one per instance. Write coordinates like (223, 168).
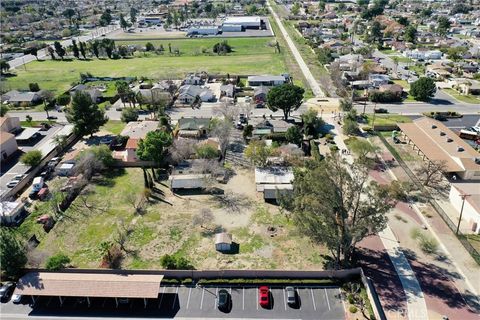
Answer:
(460, 149)
(434, 126)
(449, 139)
(442, 133)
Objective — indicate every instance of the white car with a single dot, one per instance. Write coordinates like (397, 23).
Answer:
(16, 298)
(19, 177)
(12, 183)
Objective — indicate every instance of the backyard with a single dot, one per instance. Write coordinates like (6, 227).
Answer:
(255, 56)
(266, 237)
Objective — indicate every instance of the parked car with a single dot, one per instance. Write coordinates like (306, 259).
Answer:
(264, 296)
(16, 298)
(380, 110)
(291, 296)
(440, 117)
(223, 300)
(6, 291)
(106, 140)
(19, 177)
(52, 117)
(12, 183)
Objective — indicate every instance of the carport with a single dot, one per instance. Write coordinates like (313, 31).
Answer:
(89, 285)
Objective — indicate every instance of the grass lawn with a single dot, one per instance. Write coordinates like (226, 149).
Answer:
(464, 98)
(113, 126)
(388, 51)
(387, 119)
(403, 83)
(34, 123)
(255, 58)
(418, 68)
(403, 59)
(166, 227)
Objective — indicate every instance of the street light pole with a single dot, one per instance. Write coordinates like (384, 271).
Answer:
(463, 196)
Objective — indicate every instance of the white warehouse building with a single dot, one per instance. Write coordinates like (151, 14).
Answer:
(246, 22)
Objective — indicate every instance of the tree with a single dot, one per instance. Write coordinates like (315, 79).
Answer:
(122, 90)
(153, 147)
(133, 15)
(293, 135)
(31, 158)
(63, 99)
(69, 14)
(95, 48)
(48, 99)
(223, 132)
(203, 219)
(222, 48)
(51, 52)
(375, 33)
(57, 262)
(338, 210)
(287, 97)
(33, 51)
(59, 49)
(85, 115)
(346, 105)
(321, 6)
(423, 89)
(4, 66)
(123, 23)
(181, 149)
(207, 151)
(12, 253)
(82, 47)
(3, 110)
(350, 127)
(363, 148)
(247, 131)
(311, 123)
(60, 141)
(403, 21)
(75, 50)
(443, 25)
(105, 18)
(410, 34)
(129, 114)
(456, 53)
(430, 173)
(295, 8)
(257, 152)
(109, 46)
(33, 87)
(149, 46)
(324, 55)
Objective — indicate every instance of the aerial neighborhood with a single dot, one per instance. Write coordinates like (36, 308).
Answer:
(253, 159)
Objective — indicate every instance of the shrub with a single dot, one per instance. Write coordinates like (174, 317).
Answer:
(350, 127)
(428, 245)
(63, 99)
(175, 262)
(333, 148)
(387, 96)
(353, 309)
(207, 151)
(129, 114)
(57, 262)
(31, 158)
(34, 87)
(351, 298)
(329, 136)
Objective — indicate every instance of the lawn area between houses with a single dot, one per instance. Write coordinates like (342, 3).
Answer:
(255, 57)
(166, 227)
(113, 126)
(464, 98)
(387, 119)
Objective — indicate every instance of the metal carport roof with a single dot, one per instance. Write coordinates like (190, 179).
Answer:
(109, 285)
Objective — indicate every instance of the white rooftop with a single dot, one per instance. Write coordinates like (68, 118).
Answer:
(243, 19)
(273, 175)
(27, 133)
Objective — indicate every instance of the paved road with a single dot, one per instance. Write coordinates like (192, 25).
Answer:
(317, 91)
(419, 108)
(42, 54)
(191, 302)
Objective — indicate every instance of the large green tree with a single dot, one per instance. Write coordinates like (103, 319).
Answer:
(423, 89)
(336, 205)
(31, 158)
(154, 146)
(410, 34)
(287, 97)
(12, 253)
(85, 115)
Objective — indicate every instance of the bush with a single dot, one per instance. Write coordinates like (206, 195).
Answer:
(57, 262)
(175, 262)
(34, 87)
(387, 96)
(353, 309)
(351, 298)
(333, 148)
(329, 136)
(129, 114)
(350, 127)
(428, 245)
(31, 158)
(207, 151)
(63, 99)
(293, 135)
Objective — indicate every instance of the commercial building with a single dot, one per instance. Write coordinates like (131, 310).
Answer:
(8, 145)
(467, 195)
(203, 30)
(435, 142)
(246, 22)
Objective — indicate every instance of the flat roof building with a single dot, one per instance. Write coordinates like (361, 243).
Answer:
(435, 142)
(247, 22)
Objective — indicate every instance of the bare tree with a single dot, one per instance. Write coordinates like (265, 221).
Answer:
(137, 201)
(430, 173)
(88, 165)
(203, 218)
(232, 202)
(35, 257)
(181, 149)
(229, 112)
(123, 234)
(223, 132)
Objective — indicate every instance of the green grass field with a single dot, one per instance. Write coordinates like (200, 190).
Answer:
(464, 98)
(254, 56)
(387, 119)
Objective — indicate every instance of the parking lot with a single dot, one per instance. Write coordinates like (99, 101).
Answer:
(314, 302)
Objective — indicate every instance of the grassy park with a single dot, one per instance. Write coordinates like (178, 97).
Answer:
(252, 56)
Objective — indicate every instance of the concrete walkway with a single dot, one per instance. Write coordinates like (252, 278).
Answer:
(416, 305)
(317, 91)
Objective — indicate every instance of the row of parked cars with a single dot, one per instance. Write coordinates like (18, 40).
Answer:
(224, 300)
(6, 291)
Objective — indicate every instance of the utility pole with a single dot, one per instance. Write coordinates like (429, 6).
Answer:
(463, 196)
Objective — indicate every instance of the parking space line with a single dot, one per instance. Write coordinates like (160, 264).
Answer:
(161, 298)
(326, 296)
(257, 298)
(189, 293)
(216, 295)
(284, 300)
(313, 299)
(175, 298)
(243, 298)
(49, 300)
(343, 302)
(201, 301)
(298, 295)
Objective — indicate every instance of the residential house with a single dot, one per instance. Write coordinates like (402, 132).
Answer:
(273, 181)
(139, 129)
(423, 55)
(17, 97)
(267, 80)
(193, 127)
(193, 79)
(156, 93)
(8, 145)
(376, 80)
(227, 90)
(94, 93)
(260, 94)
(395, 89)
(130, 152)
(265, 127)
(466, 86)
(10, 124)
(188, 93)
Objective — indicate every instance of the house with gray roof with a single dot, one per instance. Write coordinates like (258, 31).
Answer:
(267, 80)
(188, 93)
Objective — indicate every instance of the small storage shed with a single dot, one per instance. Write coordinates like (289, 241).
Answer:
(223, 242)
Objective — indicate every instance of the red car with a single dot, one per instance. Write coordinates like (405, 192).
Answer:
(264, 296)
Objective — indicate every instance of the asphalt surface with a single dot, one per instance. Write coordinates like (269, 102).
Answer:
(190, 302)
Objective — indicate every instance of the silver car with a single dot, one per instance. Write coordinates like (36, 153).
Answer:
(291, 295)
